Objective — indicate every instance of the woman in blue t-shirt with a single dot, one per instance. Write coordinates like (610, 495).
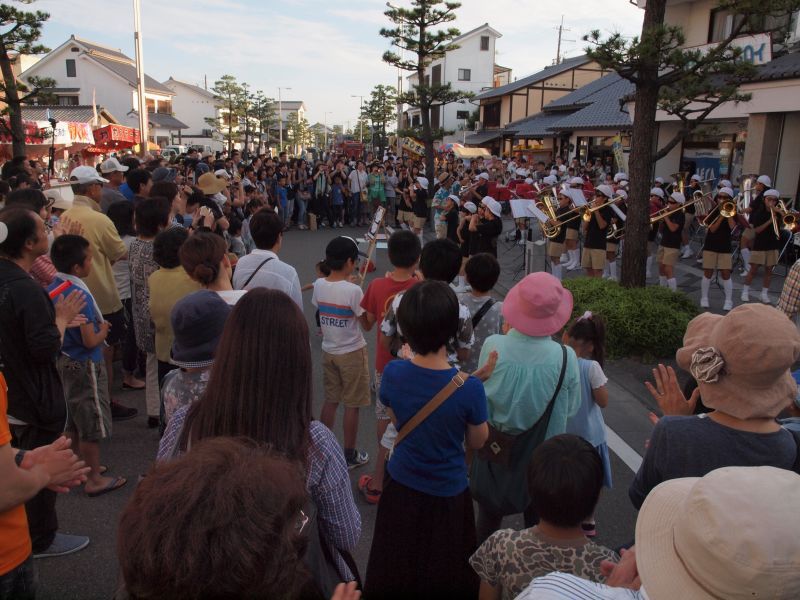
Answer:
(425, 528)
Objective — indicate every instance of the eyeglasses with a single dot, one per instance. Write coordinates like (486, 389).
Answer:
(302, 521)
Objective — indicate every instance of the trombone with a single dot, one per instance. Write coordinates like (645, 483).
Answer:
(788, 219)
(726, 210)
(665, 212)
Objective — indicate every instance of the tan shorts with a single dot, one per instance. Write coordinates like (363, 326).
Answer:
(768, 258)
(405, 216)
(717, 260)
(593, 259)
(345, 378)
(667, 256)
(418, 222)
(611, 246)
(441, 231)
(749, 234)
(88, 405)
(572, 234)
(555, 250)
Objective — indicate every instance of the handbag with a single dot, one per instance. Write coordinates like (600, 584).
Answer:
(498, 476)
(361, 191)
(319, 557)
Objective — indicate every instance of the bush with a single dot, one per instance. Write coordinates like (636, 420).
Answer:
(643, 323)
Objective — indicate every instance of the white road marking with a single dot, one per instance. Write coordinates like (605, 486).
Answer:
(621, 448)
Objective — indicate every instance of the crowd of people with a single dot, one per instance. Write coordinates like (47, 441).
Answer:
(484, 408)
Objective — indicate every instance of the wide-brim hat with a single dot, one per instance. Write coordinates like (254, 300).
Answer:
(444, 177)
(742, 360)
(731, 534)
(210, 184)
(538, 306)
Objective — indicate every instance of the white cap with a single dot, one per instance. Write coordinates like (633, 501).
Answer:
(222, 173)
(605, 190)
(656, 191)
(659, 180)
(562, 168)
(724, 183)
(695, 177)
(565, 191)
(484, 176)
(521, 172)
(726, 190)
(553, 172)
(454, 198)
(678, 197)
(470, 206)
(772, 193)
(422, 182)
(528, 180)
(764, 180)
(576, 181)
(493, 206)
(3, 232)
(86, 175)
(620, 177)
(550, 180)
(622, 194)
(61, 196)
(110, 165)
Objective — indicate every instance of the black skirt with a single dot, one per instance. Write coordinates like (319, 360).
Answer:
(421, 546)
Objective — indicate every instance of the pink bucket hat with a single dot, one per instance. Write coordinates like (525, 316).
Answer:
(538, 305)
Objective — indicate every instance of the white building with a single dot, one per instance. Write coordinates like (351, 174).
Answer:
(87, 73)
(195, 104)
(470, 68)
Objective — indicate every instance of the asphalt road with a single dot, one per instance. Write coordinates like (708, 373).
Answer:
(92, 573)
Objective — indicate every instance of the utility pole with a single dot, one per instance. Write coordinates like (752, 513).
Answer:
(560, 30)
(280, 119)
(360, 115)
(137, 38)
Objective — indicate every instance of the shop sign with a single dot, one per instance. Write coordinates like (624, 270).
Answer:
(756, 49)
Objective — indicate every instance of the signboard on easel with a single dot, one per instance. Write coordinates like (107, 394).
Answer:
(375, 236)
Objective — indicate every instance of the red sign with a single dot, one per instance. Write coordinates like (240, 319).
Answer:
(116, 136)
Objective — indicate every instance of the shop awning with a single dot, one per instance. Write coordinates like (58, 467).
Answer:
(33, 134)
(471, 152)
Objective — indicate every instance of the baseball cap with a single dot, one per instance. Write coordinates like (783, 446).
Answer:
(620, 177)
(605, 190)
(164, 174)
(772, 194)
(342, 248)
(696, 177)
(470, 207)
(484, 176)
(660, 180)
(492, 206)
(723, 183)
(86, 174)
(764, 180)
(222, 173)
(727, 191)
(657, 192)
(423, 182)
(110, 165)
(678, 197)
(576, 181)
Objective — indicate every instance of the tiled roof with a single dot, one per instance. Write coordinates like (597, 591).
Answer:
(786, 66)
(127, 71)
(162, 120)
(537, 126)
(603, 110)
(476, 139)
(75, 114)
(99, 49)
(193, 87)
(581, 97)
(547, 72)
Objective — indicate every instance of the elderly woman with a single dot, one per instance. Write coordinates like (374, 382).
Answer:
(742, 365)
(536, 380)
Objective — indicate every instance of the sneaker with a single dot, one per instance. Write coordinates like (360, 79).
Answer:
(745, 296)
(765, 298)
(371, 496)
(589, 529)
(727, 306)
(121, 413)
(64, 544)
(359, 460)
(704, 303)
(686, 253)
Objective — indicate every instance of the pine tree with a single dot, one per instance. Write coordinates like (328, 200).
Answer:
(228, 94)
(380, 110)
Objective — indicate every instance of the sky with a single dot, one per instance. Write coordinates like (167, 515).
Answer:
(325, 51)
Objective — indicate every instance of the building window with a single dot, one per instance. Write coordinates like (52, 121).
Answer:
(150, 103)
(436, 74)
(491, 115)
(165, 107)
(67, 100)
(462, 115)
(71, 67)
(485, 43)
(464, 74)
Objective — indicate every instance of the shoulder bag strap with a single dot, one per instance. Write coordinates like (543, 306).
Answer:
(549, 409)
(258, 268)
(456, 382)
(476, 318)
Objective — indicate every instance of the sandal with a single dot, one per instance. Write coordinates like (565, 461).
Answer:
(370, 495)
(114, 484)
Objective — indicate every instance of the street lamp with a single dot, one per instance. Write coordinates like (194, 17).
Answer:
(325, 126)
(280, 119)
(360, 115)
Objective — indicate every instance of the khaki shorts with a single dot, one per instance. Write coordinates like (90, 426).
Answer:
(405, 216)
(768, 258)
(572, 234)
(86, 390)
(612, 246)
(593, 259)
(345, 378)
(667, 256)
(441, 231)
(688, 221)
(418, 222)
(555, 250)
(381, 412)
(749, 234)
(717, 260)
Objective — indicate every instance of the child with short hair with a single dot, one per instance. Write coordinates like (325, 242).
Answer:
(81, 365)
(345, 363)
(236, 243)
(564, 481)
(587, 337)
(285, 205)
(482, 271)
(337, 200)
(404, 250)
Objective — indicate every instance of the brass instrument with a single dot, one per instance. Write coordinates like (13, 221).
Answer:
(588, 209)
(789, 219)
(745, 194)
(680, 181)
(665, 212)
(549, 229)
(615, 232)
(725, 210)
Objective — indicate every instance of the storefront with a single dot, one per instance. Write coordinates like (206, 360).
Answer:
(716, 151)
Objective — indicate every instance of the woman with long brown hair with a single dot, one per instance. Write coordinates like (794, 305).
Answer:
(260, 387)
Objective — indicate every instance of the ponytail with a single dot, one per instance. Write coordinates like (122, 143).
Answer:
(591, 328)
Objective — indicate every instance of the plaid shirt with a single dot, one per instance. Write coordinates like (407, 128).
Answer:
(789, 302)
(327, 481)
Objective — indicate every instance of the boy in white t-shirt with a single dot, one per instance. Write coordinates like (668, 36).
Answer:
(345, 364)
